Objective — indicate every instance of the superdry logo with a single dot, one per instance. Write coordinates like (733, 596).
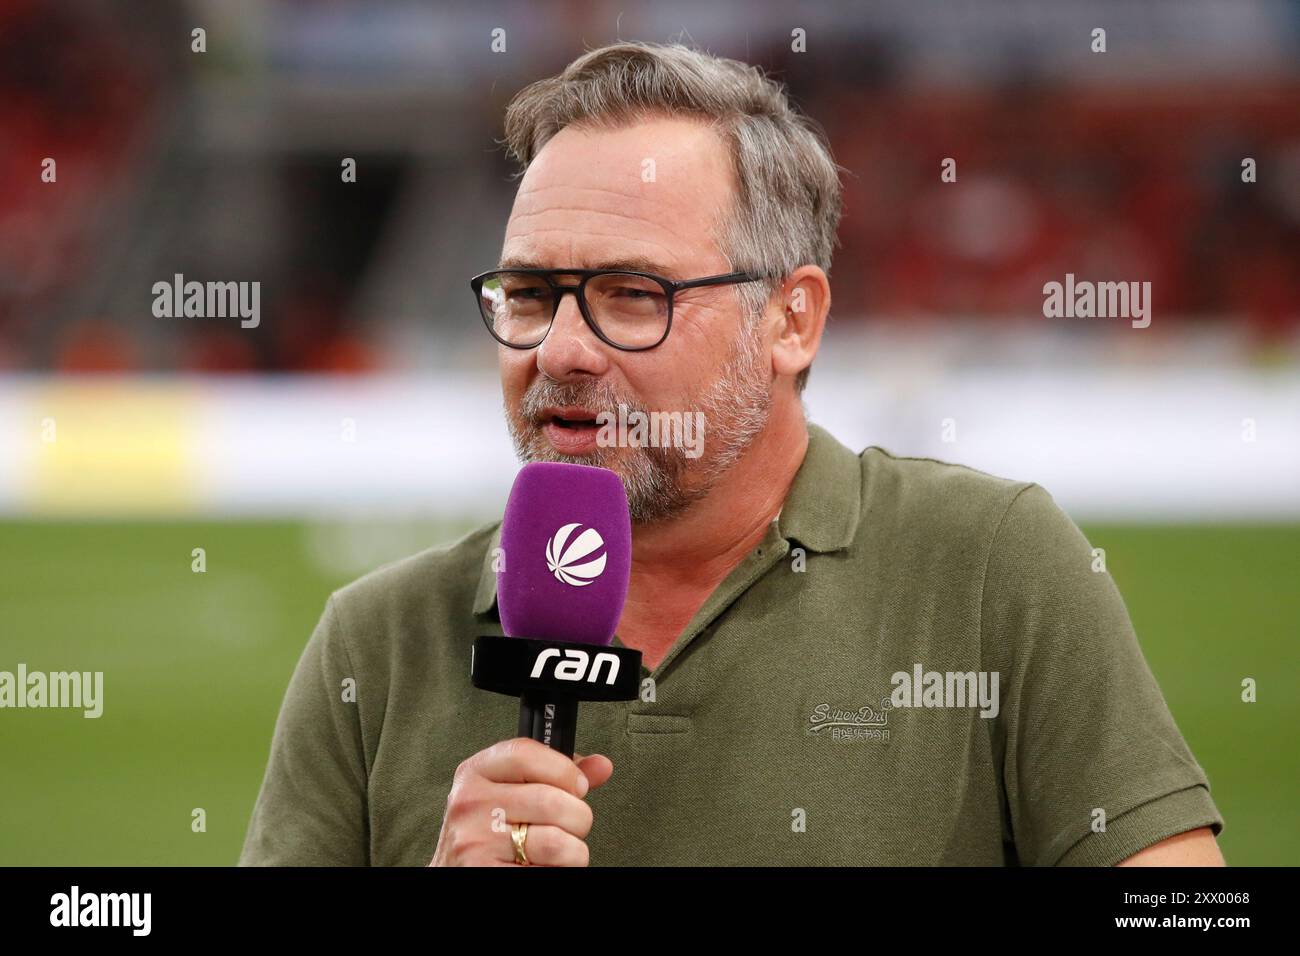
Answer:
(864, 723)
(563, 556)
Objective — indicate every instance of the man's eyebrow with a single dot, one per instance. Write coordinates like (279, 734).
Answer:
(626, 264)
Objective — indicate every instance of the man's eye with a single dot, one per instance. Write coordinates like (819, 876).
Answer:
(527, 294)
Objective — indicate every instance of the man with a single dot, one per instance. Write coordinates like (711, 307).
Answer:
(802, 610)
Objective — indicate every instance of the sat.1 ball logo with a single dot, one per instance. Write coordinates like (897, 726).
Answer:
(571, 561)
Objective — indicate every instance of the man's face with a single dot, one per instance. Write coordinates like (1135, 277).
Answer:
(589, 201)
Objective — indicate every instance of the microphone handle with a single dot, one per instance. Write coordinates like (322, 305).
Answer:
(550, 719)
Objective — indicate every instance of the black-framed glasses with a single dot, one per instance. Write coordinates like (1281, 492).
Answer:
(631, 311)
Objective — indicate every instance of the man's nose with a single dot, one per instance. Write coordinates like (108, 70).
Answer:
(571, 347)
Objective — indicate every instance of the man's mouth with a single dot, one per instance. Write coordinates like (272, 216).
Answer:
(572, 416)
(572, 422)
(571, 431)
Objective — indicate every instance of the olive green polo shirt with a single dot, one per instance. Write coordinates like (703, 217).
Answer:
(807, 715)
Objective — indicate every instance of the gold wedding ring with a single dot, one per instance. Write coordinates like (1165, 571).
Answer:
(518, 834)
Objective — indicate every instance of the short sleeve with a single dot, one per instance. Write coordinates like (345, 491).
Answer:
(1084, 735)
(311, 810)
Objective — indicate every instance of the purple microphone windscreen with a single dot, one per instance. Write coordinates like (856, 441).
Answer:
(566, 540)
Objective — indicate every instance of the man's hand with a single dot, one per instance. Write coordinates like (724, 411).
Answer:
(520, 781)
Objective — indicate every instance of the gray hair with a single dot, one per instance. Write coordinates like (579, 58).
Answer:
(789, 198)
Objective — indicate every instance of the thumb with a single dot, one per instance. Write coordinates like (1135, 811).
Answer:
(596, 767)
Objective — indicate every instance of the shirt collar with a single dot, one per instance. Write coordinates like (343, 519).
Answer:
(485, 598)
(824, 505)
(821, 511)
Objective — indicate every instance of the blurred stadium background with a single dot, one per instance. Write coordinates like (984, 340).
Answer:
(361, 420)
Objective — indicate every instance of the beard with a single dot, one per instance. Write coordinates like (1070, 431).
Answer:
(661, 482)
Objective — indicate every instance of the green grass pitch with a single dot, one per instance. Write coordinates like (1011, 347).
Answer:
(196, 664)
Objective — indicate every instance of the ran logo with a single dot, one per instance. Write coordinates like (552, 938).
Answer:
(575, 668)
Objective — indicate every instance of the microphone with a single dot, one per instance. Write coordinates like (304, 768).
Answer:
(566, 539)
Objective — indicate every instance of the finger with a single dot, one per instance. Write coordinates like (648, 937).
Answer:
(527, 761)
(551, 846)
(596, 767)
(542, 805)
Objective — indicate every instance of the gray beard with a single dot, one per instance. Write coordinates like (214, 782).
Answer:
(662, 482)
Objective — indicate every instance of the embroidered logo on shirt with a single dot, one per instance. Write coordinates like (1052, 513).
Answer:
(838, 723)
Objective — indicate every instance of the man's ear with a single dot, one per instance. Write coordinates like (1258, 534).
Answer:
(803, 302)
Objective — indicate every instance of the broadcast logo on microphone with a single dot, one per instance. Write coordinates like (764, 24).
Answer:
(562, 561)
